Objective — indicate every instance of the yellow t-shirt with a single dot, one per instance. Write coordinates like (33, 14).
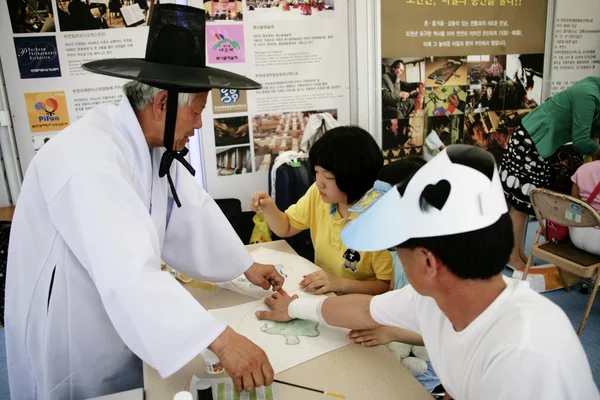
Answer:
(325, 224)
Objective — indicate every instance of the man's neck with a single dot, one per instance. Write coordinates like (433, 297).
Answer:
(465, 300)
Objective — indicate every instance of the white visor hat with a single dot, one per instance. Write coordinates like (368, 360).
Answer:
(465, 200)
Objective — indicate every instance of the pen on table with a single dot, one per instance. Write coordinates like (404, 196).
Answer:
(339, 396)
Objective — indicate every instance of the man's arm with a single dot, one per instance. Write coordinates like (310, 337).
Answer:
(409, 87)
(351, 311)
(107, 227)
(389, 95)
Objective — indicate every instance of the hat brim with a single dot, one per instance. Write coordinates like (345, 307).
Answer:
(377, 228)
(166, 76)
(473, 202)
(367, 200)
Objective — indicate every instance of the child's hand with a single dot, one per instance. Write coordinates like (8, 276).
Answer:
(372, 337)
(279, 302)
(320, 282)
(261, 201)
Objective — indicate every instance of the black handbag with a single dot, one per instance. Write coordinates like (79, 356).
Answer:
(563, 165)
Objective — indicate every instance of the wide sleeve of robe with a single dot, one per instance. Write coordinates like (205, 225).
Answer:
(199, 241)
(108, 228)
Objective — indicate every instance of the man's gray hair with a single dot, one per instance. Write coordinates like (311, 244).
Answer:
(141, 94)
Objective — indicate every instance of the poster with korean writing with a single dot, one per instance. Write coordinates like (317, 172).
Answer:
(458, 71)
(576, 50)
(43, 44)
(298, 51)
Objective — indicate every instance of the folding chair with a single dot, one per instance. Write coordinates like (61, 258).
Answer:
(567, 211)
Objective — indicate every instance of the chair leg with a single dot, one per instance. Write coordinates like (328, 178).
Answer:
(562, 278)
(527, 266)
(589, 306)
(530, 258)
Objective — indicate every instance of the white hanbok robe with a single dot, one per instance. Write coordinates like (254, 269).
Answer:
(86, 299)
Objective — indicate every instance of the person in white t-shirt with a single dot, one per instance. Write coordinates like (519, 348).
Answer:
(488, 336)
(433, 141)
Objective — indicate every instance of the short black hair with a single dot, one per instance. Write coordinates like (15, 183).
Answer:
(479, 254)
(436, 122)
(351, 154)
(396, 64)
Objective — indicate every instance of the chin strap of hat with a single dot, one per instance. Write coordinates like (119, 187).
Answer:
(170, 154)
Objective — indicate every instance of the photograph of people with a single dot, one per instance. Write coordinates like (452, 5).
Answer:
(490, 98)
(495, 71)
(31, 16)
(224, 10)
(290, 7)
(445, 100)
(524, 73)
(400, 99)
(399, 133)
(77, 15)
(486, 69)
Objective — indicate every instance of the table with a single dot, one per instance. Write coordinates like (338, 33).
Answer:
(354, 371)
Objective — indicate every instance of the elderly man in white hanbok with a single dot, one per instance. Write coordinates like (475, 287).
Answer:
(86, 300)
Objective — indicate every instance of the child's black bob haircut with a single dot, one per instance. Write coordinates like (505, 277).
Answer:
(351, 154)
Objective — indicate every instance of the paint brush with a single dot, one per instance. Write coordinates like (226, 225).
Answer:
(339, 396)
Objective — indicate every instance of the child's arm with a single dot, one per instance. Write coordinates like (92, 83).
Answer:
(385, 335)
(575, 191)
(322, 282)
(276, 219)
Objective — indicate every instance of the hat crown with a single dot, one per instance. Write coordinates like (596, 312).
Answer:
(176, 36)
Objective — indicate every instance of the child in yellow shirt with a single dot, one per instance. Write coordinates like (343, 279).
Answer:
(346, 162)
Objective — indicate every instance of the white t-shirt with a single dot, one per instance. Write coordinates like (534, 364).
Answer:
(432, 146)
(522, 346)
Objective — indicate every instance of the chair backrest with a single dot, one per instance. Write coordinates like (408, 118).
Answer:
(562, 209)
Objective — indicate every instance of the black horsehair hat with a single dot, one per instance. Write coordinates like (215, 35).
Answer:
(175, 61)
(175, 55)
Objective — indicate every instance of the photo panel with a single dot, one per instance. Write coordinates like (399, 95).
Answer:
(445, 100)
(231, 131)
(491, 130)
(275, 133)
(77, 15)
(444, 71)
(524, 80)
(487, 97)
(402, 133)
(486, 69)
(231, 10)
(234, 160)
(449, 128)
(403, 88)
(31, 16)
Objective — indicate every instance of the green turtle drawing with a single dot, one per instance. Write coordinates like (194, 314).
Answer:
(292, 330)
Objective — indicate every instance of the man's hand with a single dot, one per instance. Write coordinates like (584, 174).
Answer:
(265, 276)
(404, 95)
(279, 302)
(246, 363)
(320, 282)
(261, 201)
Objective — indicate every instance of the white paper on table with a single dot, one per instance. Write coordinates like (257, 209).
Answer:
(291, 266)
(286, 344)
